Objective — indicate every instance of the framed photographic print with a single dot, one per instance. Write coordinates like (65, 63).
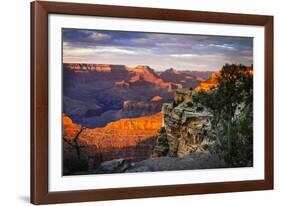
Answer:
(131, 102)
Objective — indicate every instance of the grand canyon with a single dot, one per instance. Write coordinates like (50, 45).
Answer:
(142, 101)
(116, 110)
(123, 119)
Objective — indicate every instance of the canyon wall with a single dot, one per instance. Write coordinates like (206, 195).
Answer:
(132, 139)
(212, 82)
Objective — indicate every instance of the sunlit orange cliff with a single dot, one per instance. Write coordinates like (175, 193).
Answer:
(117, 136)
(212, 82)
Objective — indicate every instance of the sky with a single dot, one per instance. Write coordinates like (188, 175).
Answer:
(160, 51)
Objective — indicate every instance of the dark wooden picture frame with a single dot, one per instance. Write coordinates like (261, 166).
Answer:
(39, 102)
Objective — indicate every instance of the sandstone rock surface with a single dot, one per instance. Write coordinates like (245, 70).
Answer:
(186, 127)
(130, 138)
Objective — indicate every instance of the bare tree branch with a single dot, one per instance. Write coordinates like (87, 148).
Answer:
(68, 142)
(75, 139)
(74, 142)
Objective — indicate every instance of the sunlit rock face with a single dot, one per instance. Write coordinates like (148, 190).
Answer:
(131, 138)
(187, 79)
(89, 67)
(186, 127)
(209, 83)
(146, 75)
(156, 99)
(212, 82)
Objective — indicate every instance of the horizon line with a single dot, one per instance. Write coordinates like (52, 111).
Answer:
(208, 70)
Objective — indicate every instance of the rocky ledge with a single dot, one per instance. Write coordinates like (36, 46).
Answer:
(199, 160)
(186, 127)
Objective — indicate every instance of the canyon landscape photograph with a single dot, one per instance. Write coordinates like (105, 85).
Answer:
(148, 102)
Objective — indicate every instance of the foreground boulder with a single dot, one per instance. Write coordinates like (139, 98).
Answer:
(198, 160)
(114, 166)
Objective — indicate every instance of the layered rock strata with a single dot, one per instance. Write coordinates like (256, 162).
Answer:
(131, 138)
(186, 127)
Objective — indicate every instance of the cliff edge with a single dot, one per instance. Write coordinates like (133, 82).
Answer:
(186, 127)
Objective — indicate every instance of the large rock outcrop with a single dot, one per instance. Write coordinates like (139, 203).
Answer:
(186, 127)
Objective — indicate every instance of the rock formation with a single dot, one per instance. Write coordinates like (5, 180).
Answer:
(94, 94)
(212, 82)
(131, 139)
(77, 67)
(198, 160)
(156, 99)
(209, 83)
(186, 78)
(186, 127)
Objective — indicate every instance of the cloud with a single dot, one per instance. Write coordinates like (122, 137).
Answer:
(114, 50)
(140, 40)
(183, 51)
(99, 49)
(78, 52)
(222, 46)
(183, 55)
(99, 36)
(65, 44)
